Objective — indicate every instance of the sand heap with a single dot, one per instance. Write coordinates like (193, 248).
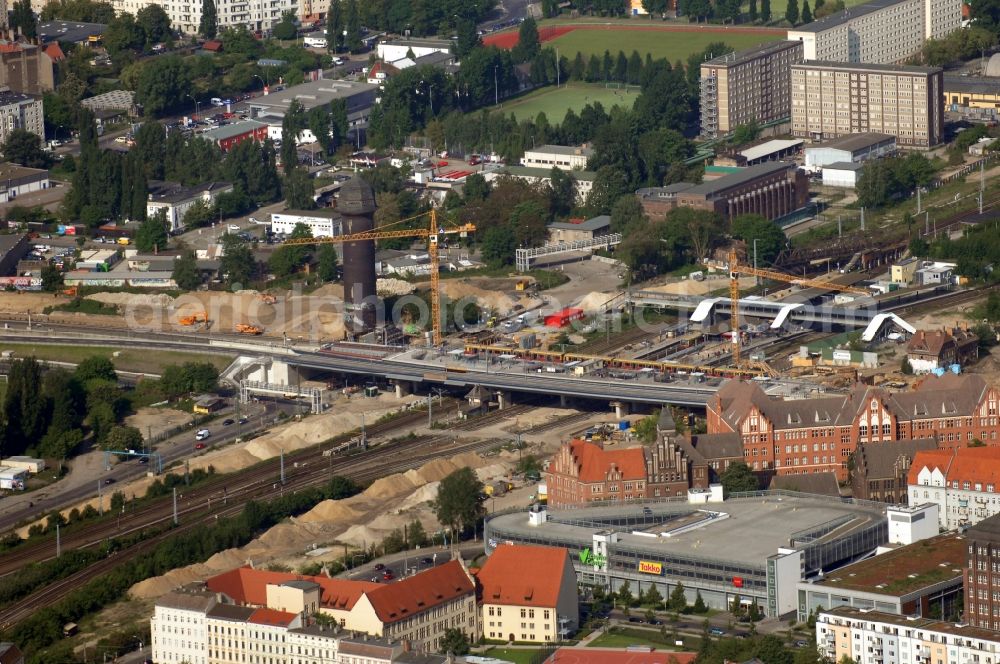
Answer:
(389, 287)
(456, 290)
(388, 504)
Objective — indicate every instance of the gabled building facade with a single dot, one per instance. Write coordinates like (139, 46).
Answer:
(820, 435)
(964, 482)
(583, 472)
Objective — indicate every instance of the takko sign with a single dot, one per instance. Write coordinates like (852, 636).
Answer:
(647, 567)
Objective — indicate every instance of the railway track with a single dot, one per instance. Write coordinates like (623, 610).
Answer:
(363, 467)
(491, 418)
(557, 423)
(220, 487)
(603, 345)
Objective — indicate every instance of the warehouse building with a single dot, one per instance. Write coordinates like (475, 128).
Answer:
(851, 148)
(323, 222)
(920, 579)
(750, 550)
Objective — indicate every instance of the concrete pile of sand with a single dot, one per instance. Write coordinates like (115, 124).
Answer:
(329, 512)
(456, 290)
(282, 537)
(159, 300)
(390, 287)
(492, 472)
(424, 494)
(389, 487)
(594, 301)
(436, 470)
(360, 536)
(468, 460)
(160, 585)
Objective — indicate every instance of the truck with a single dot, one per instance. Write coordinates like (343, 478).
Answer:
(314, 42)
(243, 328)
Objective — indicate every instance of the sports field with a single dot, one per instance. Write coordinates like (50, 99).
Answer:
(555, 102)
(671, 45)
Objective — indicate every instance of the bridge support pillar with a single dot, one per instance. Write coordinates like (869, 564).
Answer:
(403, 388)
(621, 409)
(563, 401)
(504, 400)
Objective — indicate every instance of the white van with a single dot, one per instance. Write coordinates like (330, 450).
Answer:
(202, 435)
(315, 42)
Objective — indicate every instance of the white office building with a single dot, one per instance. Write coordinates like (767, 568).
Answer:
(175, 199)
(964, 482)
(878, 32)
(324, 222)
(185, 15)
(178, 628)
(563, 157)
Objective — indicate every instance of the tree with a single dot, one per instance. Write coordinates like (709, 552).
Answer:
(765, 10)
(341, 487)
(457, 505)
(678, 602)
(96, 367)
(186, 274)
(286, 28)
(528, 42)
(326, 263)
(792, 12)
(52, 278)
(154, 23)
(454, 642)
(416, 536)
(745, 133)
(22, 19)
(807, 16)
(299, 190)
(625, 595)
(352, 23)
(769, 649)
(699, 604)
(122, 438)
(208, 27)
(238, 265)
(753, 10)
(738, 478)
(652, 598)
(152, 233)
(610, 184)
(498, 245)
(335, 27)
(292, 125)
(735, 605)
(770, 239)
(25, 148)
(163, 84)
(468, 37)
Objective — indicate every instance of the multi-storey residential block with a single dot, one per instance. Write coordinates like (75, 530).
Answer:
(747, 86)
(878, 32)
(963, 481)
(820, 435)
(20, 111)
(528, 593)
(831, 99)
(185, 16)
(875, 637)
(982, 581)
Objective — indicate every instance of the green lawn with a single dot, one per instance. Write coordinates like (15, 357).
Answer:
(619, 637)
(145, 361)
(555, 102)
(671, 45)
(778, 7)
(516, 655)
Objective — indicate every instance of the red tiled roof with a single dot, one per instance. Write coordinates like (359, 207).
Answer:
(964, 464)
(55, 52)
(608, 656)
(929, 459)
(383, 67)
(521, 575)
(272, 617)
(415, 594)
(246, 585)
(212, 45)
(594, 462)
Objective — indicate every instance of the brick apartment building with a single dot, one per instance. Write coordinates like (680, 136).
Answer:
(772, 189)
(820, 435)
(928, 350)
(879, 470)
(982, 583)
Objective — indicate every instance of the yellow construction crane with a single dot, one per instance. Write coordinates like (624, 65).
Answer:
(736, 269)
(430, 233)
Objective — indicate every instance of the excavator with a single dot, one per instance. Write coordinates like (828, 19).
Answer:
(243, 328)
(193, 319)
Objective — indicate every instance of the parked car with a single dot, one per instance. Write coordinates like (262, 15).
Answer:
(388, 575)
(109, 480)
(227, 422)
(199, 446)
(234, 227)
(716, 631)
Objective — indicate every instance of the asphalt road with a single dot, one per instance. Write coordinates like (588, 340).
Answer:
(71, 489)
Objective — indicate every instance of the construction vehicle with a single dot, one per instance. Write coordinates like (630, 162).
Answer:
(267, 298)
(193, 319)
(432, 234)
(69, 292)
(522, 285)
(736, 269)
(243, 328)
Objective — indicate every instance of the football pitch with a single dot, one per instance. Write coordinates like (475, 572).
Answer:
(555, 102)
